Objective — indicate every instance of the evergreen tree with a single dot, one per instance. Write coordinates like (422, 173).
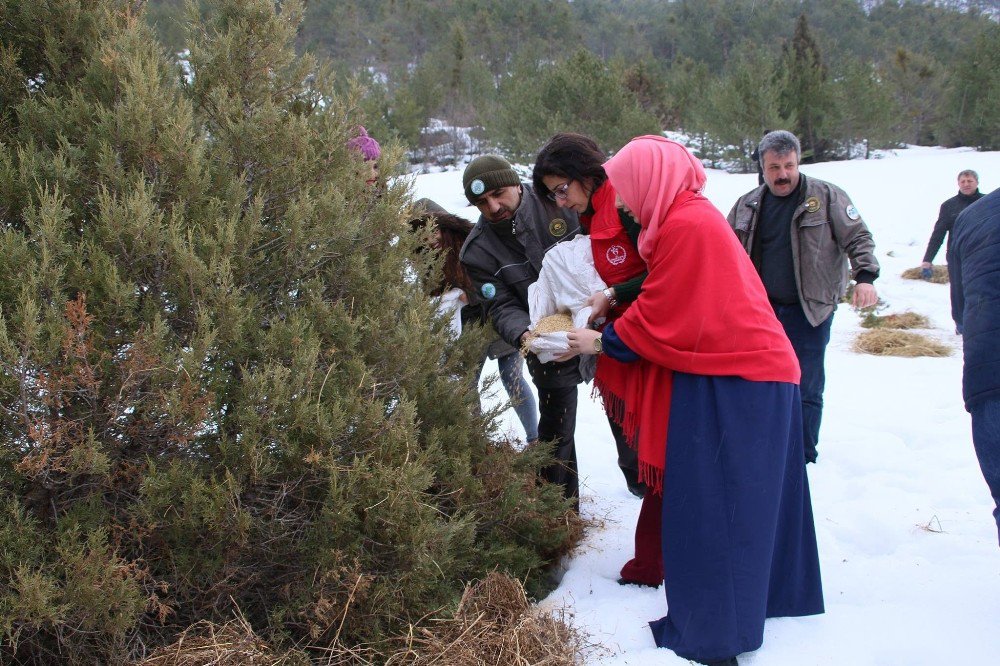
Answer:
(581, 94)
(973, 94)
(807, 95)
(223, 391)
(685, 94)
(742, 104)
(864, 113)
(917, 84)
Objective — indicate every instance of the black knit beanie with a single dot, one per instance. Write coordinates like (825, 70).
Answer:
(486, 173)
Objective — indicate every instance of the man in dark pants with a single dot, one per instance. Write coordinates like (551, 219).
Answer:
(974, 267)
(799, 233)
(503, 255)
(968, 193)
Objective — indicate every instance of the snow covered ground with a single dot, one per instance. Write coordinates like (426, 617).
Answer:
(911, 565)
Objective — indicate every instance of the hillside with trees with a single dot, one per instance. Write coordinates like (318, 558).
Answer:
(847, 75)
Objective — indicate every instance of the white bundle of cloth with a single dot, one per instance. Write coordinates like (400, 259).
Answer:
(565, 283)
(449, 305)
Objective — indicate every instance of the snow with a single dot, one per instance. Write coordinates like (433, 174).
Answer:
(908, 546)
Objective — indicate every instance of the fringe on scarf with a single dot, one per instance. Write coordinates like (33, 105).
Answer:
(614, 407)
(652, 477)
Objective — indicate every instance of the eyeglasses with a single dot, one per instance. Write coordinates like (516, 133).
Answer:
(559, 193)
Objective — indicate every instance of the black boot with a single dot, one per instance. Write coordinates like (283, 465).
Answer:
(626, 581)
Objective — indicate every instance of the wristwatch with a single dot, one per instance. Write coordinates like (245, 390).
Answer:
(609, 294)
(598, 345)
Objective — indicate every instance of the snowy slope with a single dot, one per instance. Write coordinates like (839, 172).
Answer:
(911, 565)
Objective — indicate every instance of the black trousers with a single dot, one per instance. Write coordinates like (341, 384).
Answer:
(556, 425)
(628, 460)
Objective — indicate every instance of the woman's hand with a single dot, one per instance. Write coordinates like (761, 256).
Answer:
(581, 341)
(600, 304)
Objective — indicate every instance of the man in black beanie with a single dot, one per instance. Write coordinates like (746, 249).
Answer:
(503, 255)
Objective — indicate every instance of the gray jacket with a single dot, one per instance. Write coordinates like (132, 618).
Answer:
(827, 231)
(501, 275)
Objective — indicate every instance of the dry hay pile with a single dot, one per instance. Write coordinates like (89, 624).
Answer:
(939, 274)
(551, 324)
(902, 320)
(887, 342)
(495, 624)
(232, 644)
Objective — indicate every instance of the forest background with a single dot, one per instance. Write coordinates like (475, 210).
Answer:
(847, 76)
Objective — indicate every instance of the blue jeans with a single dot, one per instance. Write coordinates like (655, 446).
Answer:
(809, 343)
(986, 439)
(511, 369)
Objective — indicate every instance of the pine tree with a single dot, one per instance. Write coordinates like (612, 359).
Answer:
(973, 95)
(742, 104)
(580, 94)
(864, 113)
(917, 84)
(807, 95)
(223, 391)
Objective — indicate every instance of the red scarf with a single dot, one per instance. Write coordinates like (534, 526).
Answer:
(617, 260)
(703, 311)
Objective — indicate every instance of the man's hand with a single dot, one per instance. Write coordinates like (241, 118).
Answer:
(864, 295)
(926, 270)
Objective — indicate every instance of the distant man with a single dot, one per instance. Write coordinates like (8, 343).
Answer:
(503, 255)
(799, 233)
(968, 193)
(974, 271)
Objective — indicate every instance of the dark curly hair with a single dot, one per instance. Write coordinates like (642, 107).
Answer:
(572, 156)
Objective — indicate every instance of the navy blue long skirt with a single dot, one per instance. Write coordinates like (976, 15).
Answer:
(739, 543)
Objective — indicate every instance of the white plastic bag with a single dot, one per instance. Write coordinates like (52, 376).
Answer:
(567, 279)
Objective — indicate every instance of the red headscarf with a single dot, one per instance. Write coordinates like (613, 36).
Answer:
(702, 309)
(667, 169)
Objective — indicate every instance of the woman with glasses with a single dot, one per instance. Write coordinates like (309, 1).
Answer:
(569, 167)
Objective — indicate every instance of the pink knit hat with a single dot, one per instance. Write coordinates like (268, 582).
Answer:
(365, 145)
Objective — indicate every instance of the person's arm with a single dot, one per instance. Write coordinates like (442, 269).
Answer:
(855, 239)
(937, 237)
(509, 316)
(581, 342)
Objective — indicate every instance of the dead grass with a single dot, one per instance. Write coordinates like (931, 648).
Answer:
(939, 274)
(231, 644)
(889, 342)
(495, 624)
(902, 320)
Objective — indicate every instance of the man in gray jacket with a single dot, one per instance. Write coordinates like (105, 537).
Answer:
(800, 233)
(503, 255)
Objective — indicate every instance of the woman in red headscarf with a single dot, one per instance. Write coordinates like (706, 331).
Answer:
(715, 385)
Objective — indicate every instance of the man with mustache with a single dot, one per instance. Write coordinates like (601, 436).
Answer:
(800, 233)
(503, 255)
